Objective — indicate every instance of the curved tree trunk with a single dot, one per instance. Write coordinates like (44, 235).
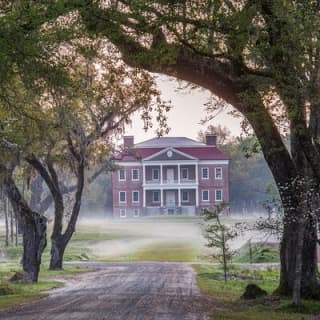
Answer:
(33, 226)
(59, 240)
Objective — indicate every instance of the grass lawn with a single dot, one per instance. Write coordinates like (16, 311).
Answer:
(227, 295)
(12, 294)
(162, 251)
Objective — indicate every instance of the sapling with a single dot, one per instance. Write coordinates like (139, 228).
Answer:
(218, 237)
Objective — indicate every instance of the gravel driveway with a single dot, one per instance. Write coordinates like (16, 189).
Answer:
(126, 291)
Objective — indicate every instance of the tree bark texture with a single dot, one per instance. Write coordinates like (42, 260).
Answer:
(36, 193)
(288, 255)
(6, 219)
(56, 254)
(34, 242)
(32, 224)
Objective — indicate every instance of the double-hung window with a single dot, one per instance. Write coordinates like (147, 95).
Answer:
(155, 174)
(135, 196)
(122, 197)
(218, 195)
(135, 174)
(218, 173)
(184, 174)
(122, 175)
(156, 196)
(205, 173)
(185, 196)
(205, 195)
(123, 213)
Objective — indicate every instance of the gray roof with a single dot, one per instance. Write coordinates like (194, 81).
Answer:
(169, 142)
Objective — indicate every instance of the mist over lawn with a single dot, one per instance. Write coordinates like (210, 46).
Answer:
(174, 238)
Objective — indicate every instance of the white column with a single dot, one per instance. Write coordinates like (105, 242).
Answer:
(197, 169)
(161, 198)
(144, 197)
(197, 197)
(161, 172)
(179, 197)
(179, 173)
(144, 173)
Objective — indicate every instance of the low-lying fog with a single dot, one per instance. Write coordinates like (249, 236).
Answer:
(116, 238)
(126, 236)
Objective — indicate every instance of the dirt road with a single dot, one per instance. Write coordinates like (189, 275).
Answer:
(123, 291)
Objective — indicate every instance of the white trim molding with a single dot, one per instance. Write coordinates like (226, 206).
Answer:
(213, 162)
(128, 163)
(172, 150)
(169, 162)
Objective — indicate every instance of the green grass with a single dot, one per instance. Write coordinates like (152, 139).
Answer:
(22, 293)
(227, 295)
(261, 253)
(164, 251)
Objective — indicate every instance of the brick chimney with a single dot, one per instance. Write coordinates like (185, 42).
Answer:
(211, 139)
(128, 142)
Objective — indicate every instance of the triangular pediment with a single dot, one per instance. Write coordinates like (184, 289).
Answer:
(169, 154)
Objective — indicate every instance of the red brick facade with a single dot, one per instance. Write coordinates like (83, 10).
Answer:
(157, 177)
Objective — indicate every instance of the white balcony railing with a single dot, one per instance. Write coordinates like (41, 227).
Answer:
(152, 181)
(170, 182)
(186, 181)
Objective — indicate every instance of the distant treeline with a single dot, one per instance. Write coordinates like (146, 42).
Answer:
(252, 186)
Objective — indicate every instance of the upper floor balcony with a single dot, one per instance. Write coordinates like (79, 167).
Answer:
(170, 174)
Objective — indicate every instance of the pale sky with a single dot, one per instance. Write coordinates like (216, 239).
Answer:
(186, 114)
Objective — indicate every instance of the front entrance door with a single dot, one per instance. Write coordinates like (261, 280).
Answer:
(170, 199)
(170, 175)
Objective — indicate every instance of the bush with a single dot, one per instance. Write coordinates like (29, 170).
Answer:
(253, 291)
(6, 289)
